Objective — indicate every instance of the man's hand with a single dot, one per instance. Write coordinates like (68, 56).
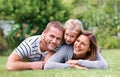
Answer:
(37, 65)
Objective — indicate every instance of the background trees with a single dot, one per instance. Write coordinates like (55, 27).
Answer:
(100, 16)
(31, 17)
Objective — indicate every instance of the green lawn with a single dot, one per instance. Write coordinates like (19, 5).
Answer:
(112, 57)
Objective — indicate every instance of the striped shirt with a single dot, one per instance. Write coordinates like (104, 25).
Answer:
(30, 48)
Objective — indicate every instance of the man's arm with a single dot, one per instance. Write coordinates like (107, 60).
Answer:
(14, 63)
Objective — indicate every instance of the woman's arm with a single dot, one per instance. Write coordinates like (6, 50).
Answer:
(49, 54)
(58, 59)
(99, 63)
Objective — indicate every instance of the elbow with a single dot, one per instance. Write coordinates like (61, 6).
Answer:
(103, 66)
(10, 67)
(47, 66)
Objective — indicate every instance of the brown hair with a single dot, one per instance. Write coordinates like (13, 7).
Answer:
(91, 55)
(55, 24)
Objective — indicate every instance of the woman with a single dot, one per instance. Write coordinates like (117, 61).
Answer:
(84, 55)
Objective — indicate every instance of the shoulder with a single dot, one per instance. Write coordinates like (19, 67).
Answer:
(66, 48)
(33, 38)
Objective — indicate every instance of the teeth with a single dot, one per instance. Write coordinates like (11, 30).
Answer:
(77, 49)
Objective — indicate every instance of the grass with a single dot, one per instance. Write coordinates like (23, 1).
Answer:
(111, 56)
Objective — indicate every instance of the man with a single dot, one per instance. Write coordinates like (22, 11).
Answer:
(35, 48)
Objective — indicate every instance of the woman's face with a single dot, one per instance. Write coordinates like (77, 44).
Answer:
(70, 36)
(81, 45)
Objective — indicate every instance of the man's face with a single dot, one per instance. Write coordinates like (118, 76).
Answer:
(53, 38)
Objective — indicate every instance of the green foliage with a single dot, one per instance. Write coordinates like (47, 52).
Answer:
(35, 12)
(103, 14)
(3, 45)
(12, 42)
(32, 12)
(98, 13)
(107, 37)
(109, 42)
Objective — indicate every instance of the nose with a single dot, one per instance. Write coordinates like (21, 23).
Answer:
(78, 44)
(68, 38)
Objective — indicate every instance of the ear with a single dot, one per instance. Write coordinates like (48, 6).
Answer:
(44, 33)
(89, 50)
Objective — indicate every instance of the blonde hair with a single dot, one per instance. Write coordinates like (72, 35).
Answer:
(74, 24)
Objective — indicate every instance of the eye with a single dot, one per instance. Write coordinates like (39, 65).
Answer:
(66, 34)
(51, 36)
(83, 43)
(77, 40)
(58, 39)
(72, 36)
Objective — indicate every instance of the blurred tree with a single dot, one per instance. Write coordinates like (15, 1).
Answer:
(35, 12)
(3, 43)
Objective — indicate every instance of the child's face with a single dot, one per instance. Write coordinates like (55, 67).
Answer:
(70, 36)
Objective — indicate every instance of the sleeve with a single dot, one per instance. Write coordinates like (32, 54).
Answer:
(99, 63)
(23, 49)
(57, 60)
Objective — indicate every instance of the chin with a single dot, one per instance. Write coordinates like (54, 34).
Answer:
(76, 52)
(52, 48)
(68, 43)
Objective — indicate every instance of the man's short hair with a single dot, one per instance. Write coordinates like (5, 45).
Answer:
(55, 24)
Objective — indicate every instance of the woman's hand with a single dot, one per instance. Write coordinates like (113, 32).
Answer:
(72, 62)
(78, 67)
